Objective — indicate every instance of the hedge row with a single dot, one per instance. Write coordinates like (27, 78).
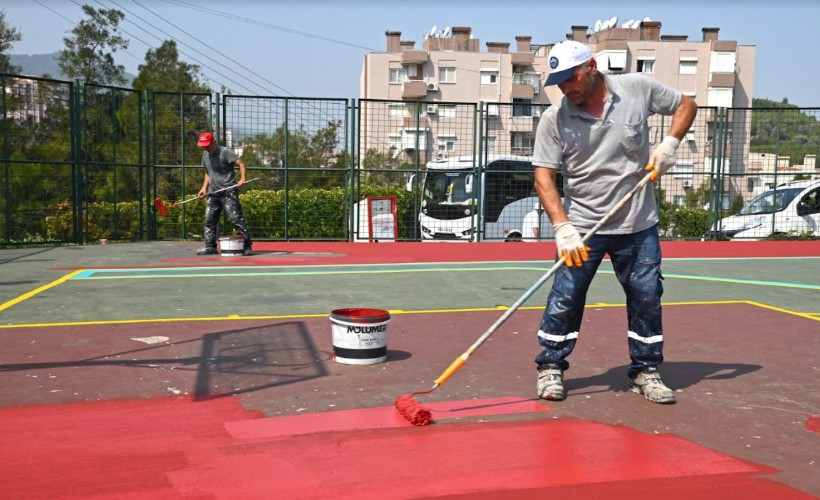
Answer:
(312, 214)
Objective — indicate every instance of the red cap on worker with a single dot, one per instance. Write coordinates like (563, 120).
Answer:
(205, 139)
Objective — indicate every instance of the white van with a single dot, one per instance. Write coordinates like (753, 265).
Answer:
(792, 208)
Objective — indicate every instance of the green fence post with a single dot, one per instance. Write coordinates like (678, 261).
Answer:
(6, 165)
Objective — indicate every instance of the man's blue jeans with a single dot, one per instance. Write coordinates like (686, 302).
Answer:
(636, 259)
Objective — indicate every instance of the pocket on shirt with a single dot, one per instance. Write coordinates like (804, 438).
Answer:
(634, 138)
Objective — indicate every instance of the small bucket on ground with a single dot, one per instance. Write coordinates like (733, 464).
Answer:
(359, 335)
(230, 246)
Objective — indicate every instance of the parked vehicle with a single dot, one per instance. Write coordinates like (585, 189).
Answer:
(454, 188)
(791, 208)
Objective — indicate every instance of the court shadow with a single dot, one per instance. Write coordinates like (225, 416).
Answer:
(676, 374)
(245, 360)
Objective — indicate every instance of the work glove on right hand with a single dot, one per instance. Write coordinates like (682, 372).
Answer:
(570, 245)
(663, 158)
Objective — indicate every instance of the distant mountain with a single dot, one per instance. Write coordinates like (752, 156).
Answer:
(45, 64)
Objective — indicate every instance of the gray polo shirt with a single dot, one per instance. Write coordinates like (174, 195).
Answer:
(220, 168)
(602, 159)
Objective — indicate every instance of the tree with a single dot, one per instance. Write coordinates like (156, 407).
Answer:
(89, 52)
(783, 128)
(177, 119)
(8, 35)
(163, 71)
(312, 159)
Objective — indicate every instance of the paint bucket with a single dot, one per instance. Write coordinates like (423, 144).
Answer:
(230, 246)
(359, 335)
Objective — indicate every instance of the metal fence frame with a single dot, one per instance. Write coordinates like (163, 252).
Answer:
(102, 154)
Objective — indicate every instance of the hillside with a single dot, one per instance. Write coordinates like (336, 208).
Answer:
(44, 64)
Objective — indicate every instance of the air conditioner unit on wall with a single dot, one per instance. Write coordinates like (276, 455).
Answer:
(687, 184)
(441, 156)
(432, 87)
(432, 109)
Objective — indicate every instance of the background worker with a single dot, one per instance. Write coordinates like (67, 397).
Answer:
(532, 224)
(219, 163)
(598, 136)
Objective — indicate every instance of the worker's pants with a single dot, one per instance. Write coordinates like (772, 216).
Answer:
(213, 210)
(636, 259)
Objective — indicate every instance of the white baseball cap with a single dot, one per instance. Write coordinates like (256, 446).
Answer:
(565, 56)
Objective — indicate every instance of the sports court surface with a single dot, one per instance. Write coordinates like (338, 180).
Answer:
(143, 371)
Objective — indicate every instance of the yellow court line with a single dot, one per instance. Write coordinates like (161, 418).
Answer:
(236, 317)
(41, 289)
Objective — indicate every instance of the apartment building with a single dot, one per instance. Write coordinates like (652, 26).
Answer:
(450, 67)
(25, 100)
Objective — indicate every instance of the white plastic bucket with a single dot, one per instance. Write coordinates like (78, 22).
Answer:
(230, 246)
(359, 335)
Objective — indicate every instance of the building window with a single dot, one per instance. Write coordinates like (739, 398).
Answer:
(446, 111)
(646, 65)
(489, 77)
(414, 139)
(394, 144)
(397, 75)
(522, 144)
(522, 107)
(493, 109)
(490, 144)
(446, 143)
(447, 75)
(720, 97)
(396, 110)
(722, 62)
(683, 170)
(688, 67)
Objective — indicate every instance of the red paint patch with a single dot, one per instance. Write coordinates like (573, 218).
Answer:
(375, 418)
(492, 460)
(813, 423)
(175, 448)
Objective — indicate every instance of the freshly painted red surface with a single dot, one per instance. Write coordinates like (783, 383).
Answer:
(813, 423)
(268, 253)
(378, 418)
(176, 448)
(494, 251)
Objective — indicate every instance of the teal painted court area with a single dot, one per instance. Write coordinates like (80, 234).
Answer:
(193, 377)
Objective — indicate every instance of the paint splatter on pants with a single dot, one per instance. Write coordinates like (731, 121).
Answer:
(636, 259)
(213, 210)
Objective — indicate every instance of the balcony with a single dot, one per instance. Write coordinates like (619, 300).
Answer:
(522, 90)
(522, 58)
(522, 123)
(414, 89)
(725, 80)
(525, 85)
(413, 57)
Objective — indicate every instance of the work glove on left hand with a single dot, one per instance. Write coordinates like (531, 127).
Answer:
(663, 158)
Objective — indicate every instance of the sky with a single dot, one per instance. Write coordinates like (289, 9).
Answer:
(315, 48)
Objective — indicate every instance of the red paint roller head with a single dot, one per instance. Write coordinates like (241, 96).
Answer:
(161, 207)
(412, 411)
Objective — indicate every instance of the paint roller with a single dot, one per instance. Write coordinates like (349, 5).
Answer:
(163, 209)
(418, 415)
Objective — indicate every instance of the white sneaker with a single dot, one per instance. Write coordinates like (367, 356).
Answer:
(551, 383)
(648, 382)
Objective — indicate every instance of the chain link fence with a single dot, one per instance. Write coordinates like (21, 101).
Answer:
(82, 163)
